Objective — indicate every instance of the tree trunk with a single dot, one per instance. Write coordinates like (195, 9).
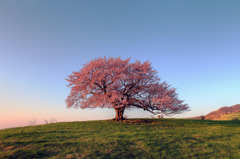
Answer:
(119, 113)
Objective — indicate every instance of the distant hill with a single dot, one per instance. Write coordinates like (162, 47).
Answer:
(232, 116)
(217, 114)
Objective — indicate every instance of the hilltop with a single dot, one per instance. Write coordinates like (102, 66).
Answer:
(156, 138)
(216, 115)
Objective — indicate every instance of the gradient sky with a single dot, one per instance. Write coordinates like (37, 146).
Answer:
(194, 45)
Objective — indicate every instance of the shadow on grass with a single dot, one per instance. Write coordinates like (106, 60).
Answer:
(29, 154)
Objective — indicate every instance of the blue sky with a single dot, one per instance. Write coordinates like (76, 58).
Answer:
(194, 45)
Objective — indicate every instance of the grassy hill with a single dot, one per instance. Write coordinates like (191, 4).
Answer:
(157, 138)
(232, 116)
(216, 115)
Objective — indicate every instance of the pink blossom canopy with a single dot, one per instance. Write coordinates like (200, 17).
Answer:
(116, 83)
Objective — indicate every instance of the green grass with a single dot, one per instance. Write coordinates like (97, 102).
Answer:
(165, 138)
(230, 116)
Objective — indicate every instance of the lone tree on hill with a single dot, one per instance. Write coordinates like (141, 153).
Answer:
(120, 84)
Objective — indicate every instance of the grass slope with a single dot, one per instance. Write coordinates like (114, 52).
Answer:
(230, 116)
(164, 138)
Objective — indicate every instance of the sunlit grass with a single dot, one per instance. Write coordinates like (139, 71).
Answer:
(233, 116)
(164, 138)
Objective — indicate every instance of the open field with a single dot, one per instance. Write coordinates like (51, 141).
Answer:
(160, 138)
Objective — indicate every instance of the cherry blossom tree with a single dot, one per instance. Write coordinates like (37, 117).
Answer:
(121, 84)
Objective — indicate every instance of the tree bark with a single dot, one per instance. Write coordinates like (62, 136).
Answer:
(119, 114)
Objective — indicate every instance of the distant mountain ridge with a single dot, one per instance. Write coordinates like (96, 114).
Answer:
(215, 115)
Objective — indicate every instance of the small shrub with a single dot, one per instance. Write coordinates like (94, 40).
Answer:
(52, 120)
(202, 117)
(32, 122)
(235, 119)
